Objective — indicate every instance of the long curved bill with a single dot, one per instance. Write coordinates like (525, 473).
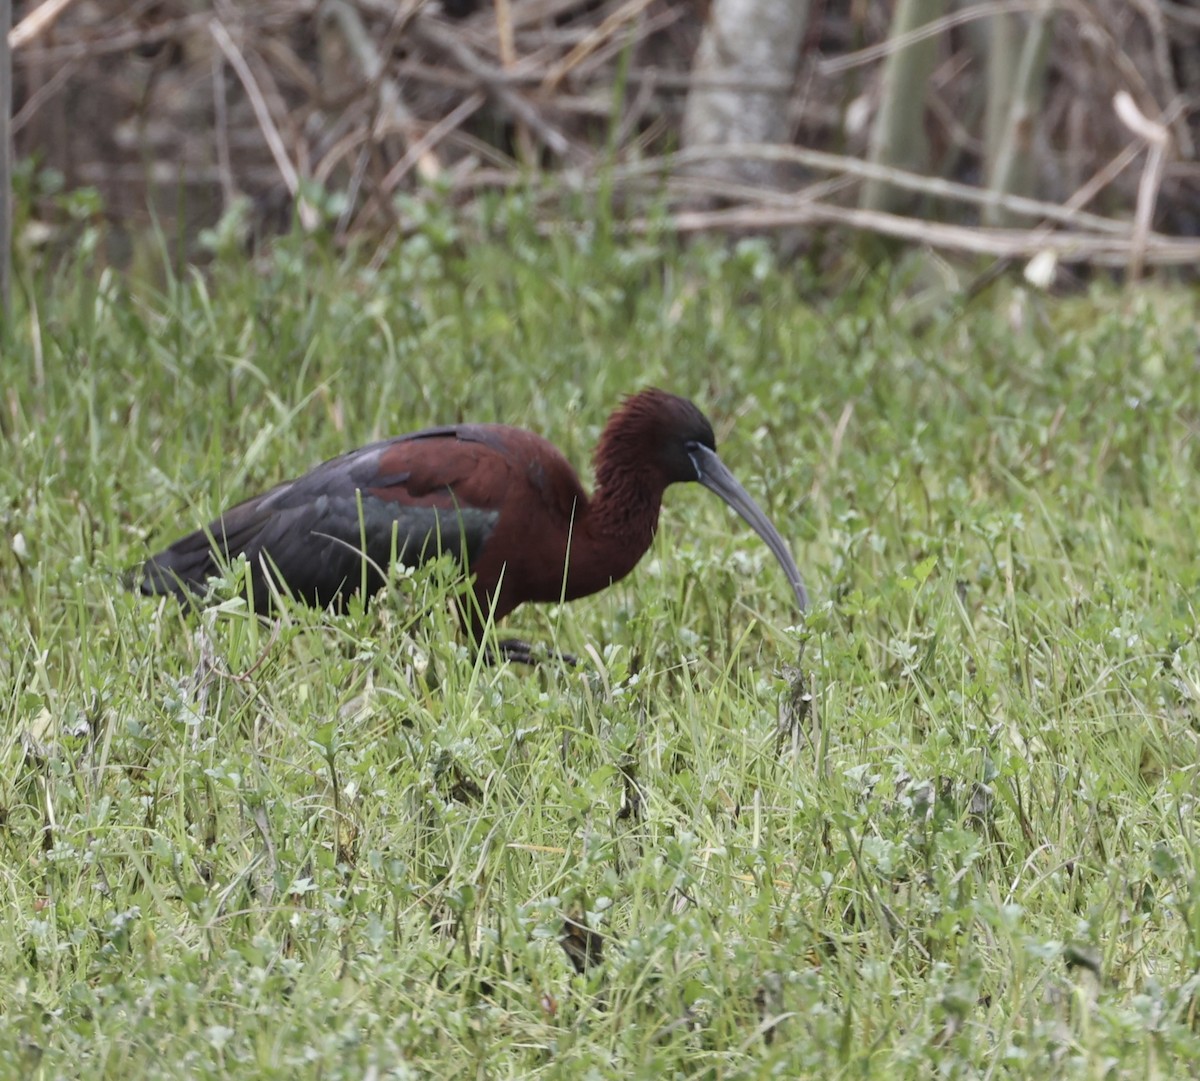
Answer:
(711, 472)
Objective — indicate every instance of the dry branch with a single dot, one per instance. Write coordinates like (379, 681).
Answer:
(865, 170)
(1076, 247)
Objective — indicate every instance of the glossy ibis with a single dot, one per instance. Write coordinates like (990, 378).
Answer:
(502, 498)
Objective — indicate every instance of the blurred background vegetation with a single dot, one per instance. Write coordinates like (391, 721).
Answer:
(1061, 132)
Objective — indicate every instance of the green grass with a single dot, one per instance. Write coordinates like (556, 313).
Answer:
(340, 847)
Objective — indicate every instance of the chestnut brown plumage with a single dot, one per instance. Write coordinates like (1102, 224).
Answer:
(500, 498)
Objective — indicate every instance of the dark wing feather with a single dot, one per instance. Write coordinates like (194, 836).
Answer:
(437, 490)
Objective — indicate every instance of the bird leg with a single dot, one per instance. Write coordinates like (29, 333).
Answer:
(520, 652)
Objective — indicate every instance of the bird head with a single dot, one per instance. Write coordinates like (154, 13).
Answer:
(654, 433)
(665, 439)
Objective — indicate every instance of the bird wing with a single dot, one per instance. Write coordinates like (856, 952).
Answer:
(437, 490)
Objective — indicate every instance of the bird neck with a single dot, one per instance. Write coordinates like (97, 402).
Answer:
(612, 534)
(622, 515)
(621, 518)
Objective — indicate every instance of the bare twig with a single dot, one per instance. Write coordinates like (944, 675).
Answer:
(854, 167)
(492, 80)
(626, 13)
(1158, 140)
(1084, 195)
(36, 23)
(506, 40)
(594, 65)
(221, 133)
(308, 214)
(44, 93)
(392, 109)
(524, 75)
(1153, 14)
(1183, 13)
(731, 190)
(431, 138)
(1075, 247)
(265, 16)
(1130, 73)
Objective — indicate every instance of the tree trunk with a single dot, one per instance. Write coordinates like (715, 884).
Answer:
(744, 70)
(898, 136)
(1009, 149)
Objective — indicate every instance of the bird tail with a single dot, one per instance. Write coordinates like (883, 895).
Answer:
(182, 570)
